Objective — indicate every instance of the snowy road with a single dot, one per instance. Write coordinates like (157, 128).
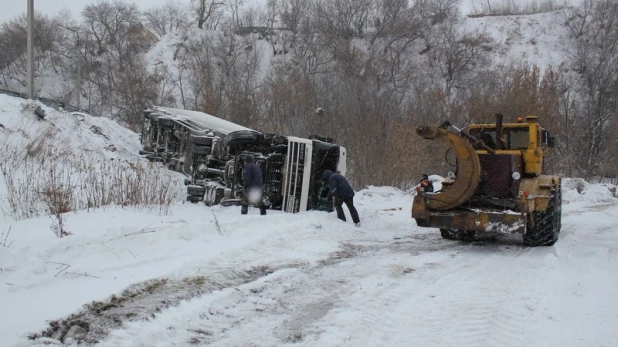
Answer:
(380, 289)
(313, 281)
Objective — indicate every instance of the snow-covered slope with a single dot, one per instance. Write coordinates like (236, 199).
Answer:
(537, 39)
(74, 152)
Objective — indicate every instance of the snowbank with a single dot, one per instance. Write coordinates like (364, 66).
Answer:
(576, 190)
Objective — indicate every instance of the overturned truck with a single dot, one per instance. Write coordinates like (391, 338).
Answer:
(211, 152)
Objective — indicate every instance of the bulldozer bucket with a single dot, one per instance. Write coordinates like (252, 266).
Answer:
(468, 169)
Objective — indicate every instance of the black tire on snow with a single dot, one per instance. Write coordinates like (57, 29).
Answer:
(454, 234)
(194, 199)
(196, 191)
(449, 234)
(466, 235)
(546, 223)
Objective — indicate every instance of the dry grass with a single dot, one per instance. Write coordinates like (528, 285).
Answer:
(45, 178)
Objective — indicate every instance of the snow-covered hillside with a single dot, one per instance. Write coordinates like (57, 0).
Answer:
(537, 39)
(200, 275)
(84, 156)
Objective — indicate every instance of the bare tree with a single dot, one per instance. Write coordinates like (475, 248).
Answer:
(208, 13)
(437, 10)
(234, 8)
(343, 18)
(252, 16)
(456, 55)
(115, 41)
(594, 26)
(389, 16)
(48, 39)
(172, 16)
(293, 12)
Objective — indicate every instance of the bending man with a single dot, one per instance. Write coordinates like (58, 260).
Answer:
(341, 192)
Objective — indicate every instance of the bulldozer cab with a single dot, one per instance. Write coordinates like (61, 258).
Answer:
(525, 139)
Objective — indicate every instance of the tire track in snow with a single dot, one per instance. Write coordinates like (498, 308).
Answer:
(307, 297)
(454, 307)
(477, 306)
(145, 300)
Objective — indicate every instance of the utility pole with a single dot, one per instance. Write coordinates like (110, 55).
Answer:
(30, 82)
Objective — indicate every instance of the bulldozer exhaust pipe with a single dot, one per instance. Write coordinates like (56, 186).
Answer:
(499, 120)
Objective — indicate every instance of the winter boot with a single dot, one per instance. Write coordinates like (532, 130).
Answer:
(263, 211)
(244, 209)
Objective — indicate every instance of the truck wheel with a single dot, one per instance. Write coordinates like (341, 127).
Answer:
(166, 122)
(546, 223)
(466, 235)
(454, 234)
(236, 139)
(201, 141)
(196, 191)
(202, 150)
(213, 195)
(449, 234)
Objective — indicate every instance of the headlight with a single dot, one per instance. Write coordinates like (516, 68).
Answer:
(516, 175)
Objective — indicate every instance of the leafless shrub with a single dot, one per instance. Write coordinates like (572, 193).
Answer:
(52, 182)
(436, 10)
(515, 7)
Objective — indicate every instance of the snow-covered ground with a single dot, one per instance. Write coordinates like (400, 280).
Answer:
(313, 280)
(199, 275)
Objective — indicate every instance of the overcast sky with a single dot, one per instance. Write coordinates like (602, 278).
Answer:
(9, 9)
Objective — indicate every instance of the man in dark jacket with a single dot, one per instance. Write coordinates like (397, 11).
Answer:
(253, 186)
(342, 192)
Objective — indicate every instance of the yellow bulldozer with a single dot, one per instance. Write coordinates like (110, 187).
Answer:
(498, 185)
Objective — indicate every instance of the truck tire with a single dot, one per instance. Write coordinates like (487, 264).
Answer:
(449, 234)
(454, 234)
(202, 141)
(201, 150)
(213, 195)
(166, 122)
(546, 227)
(196, 191)
(235, 139)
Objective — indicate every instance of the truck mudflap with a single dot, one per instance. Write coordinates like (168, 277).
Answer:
(503, 222)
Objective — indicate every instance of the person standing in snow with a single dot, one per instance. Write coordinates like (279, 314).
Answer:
(426, 184)
(341, 192)
(253, 187)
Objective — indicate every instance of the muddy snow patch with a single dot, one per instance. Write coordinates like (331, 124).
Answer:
(139, 302)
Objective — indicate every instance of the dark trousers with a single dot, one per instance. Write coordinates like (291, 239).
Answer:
(349, 201)
(244, 203)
